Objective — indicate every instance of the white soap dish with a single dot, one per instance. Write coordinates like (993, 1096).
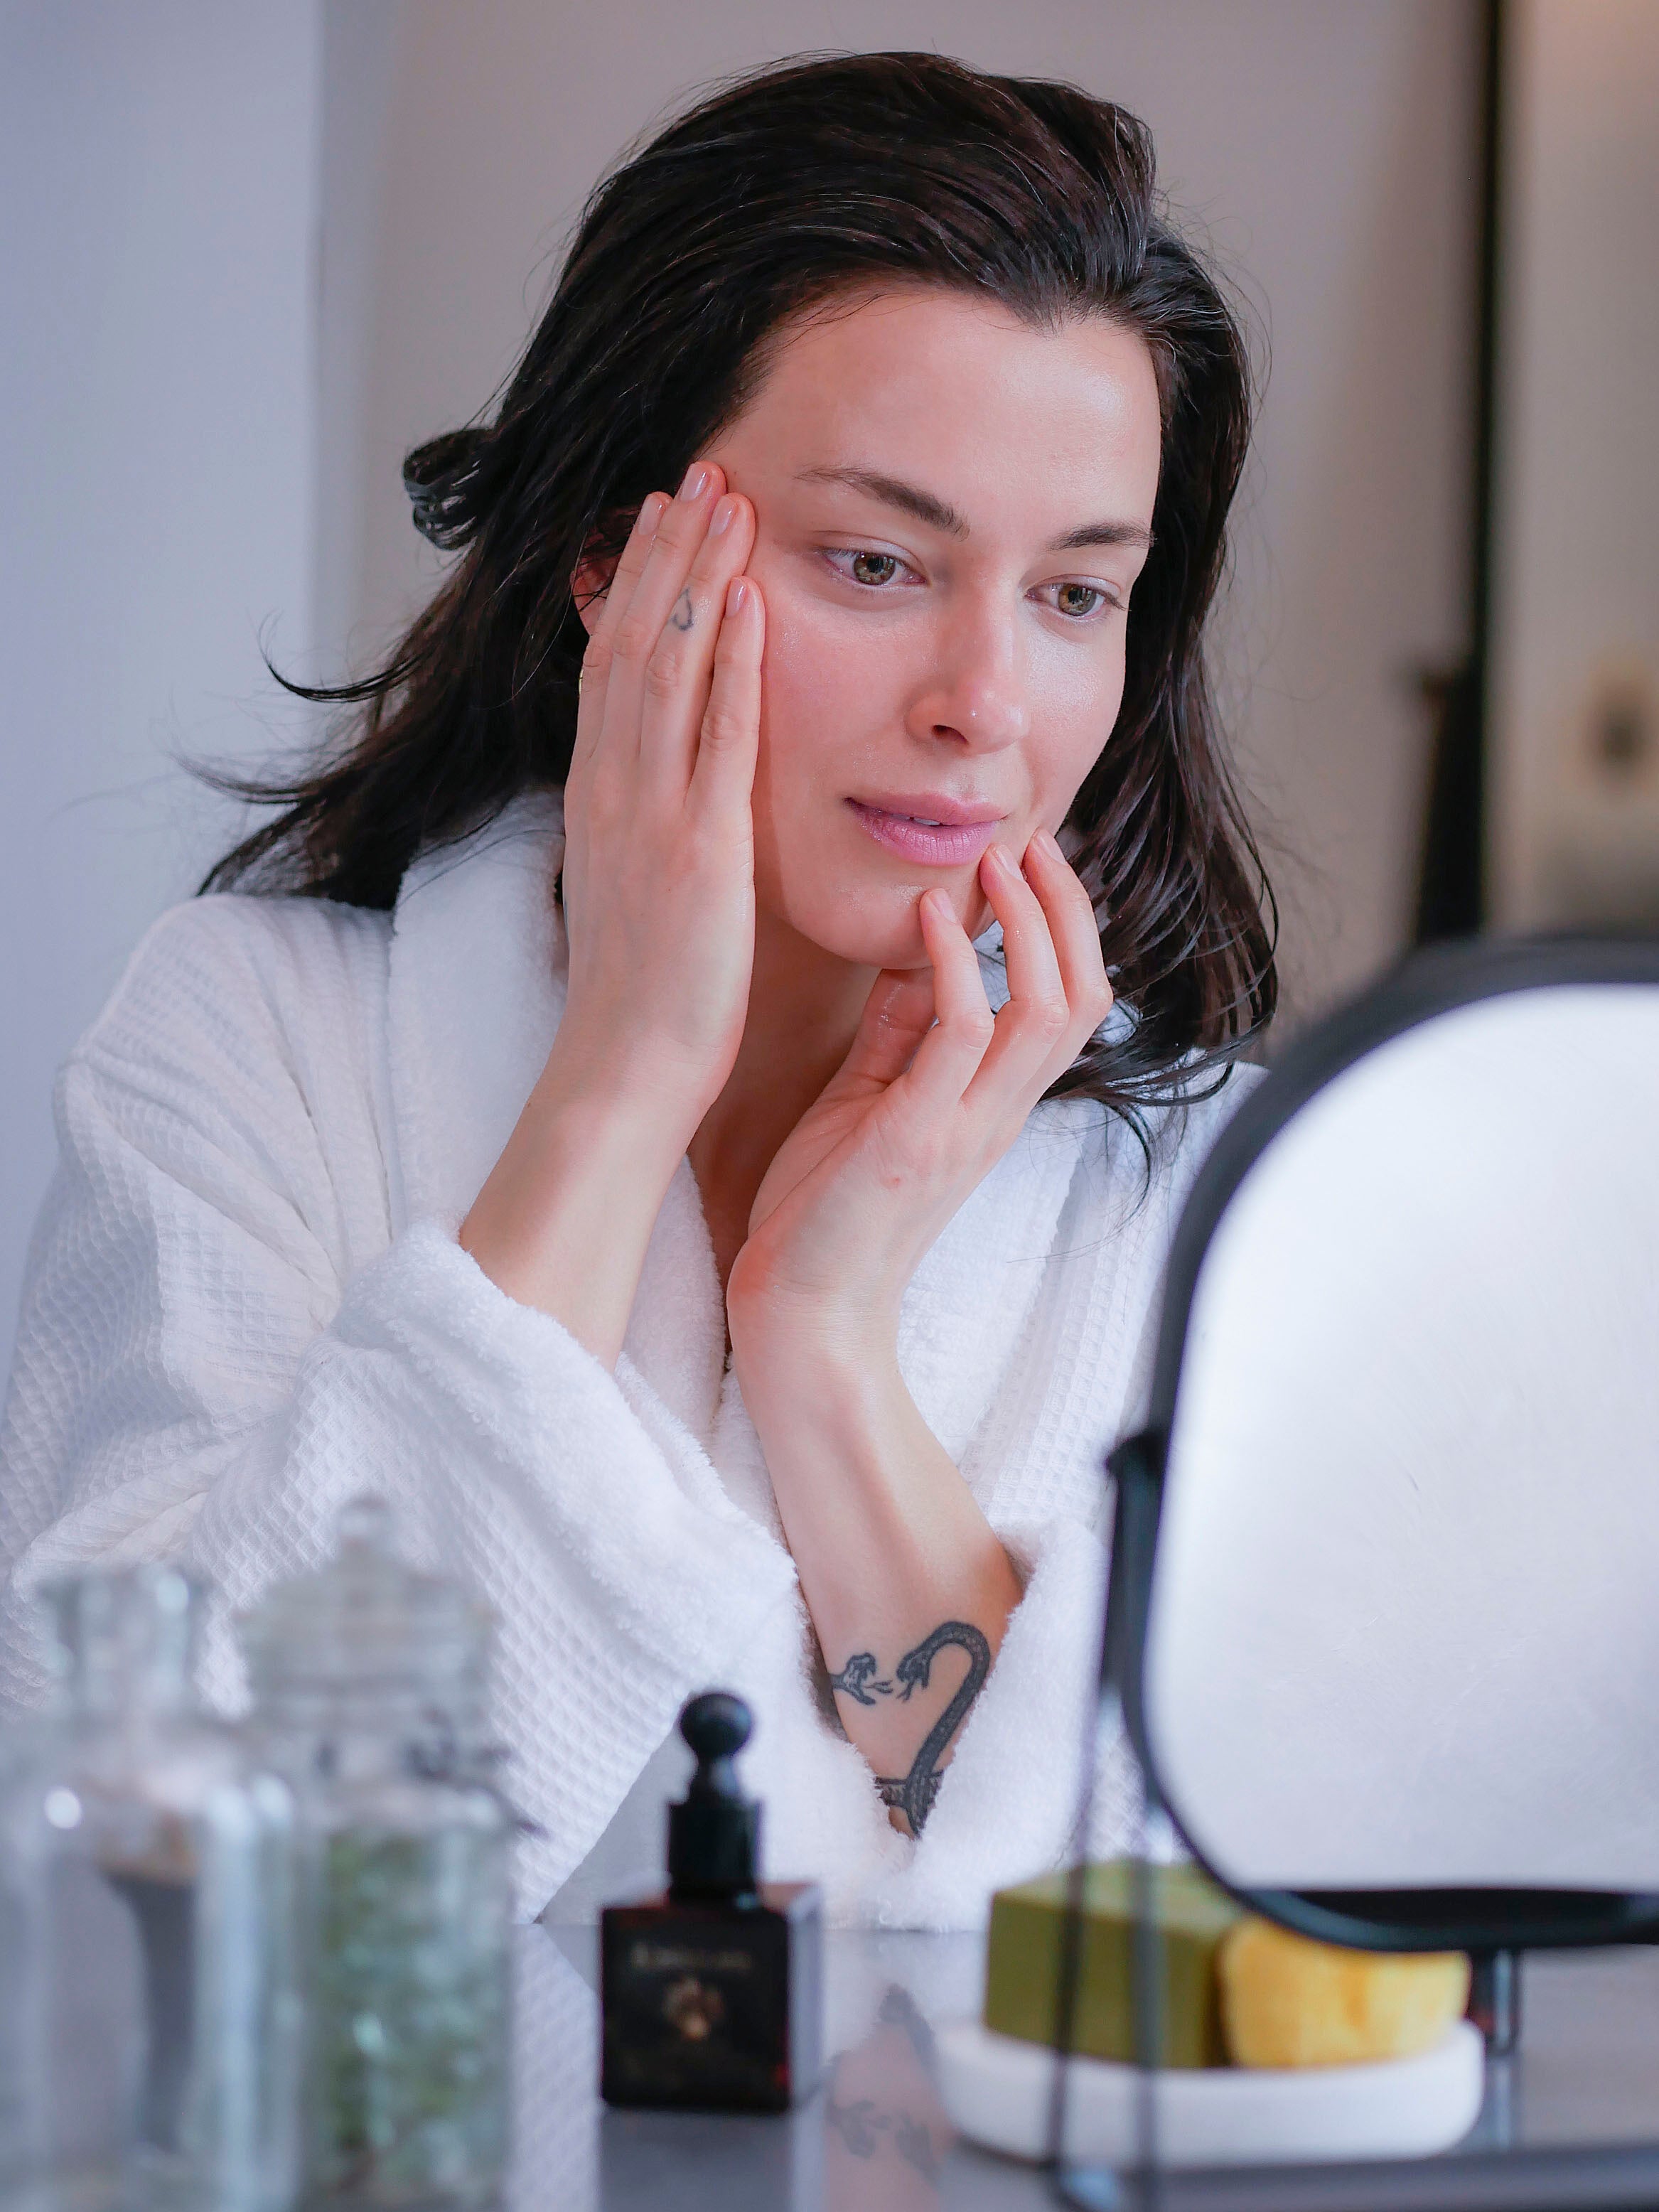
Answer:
(999, 2092)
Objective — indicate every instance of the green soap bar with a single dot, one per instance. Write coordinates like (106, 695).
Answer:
(1021, 1967)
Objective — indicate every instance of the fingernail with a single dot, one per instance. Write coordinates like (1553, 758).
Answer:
(999, 855)
(1050, 843)
(697, 482)
(736, 592)
(652, 510)
(720, 520)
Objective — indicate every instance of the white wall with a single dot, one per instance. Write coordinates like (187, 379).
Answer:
(1325, 149)
(158, 170)
(1575, 835)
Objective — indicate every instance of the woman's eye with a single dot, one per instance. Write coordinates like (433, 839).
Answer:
(1079, 600)
(872, 570)
(874, 567)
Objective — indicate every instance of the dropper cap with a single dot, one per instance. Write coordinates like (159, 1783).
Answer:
(713, 1834)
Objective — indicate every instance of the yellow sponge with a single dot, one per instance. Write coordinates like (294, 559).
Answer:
(1287, 2001)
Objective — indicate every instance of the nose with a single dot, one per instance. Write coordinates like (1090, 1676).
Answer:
(974, 693)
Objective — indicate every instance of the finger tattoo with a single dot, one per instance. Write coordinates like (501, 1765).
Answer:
(682, 617)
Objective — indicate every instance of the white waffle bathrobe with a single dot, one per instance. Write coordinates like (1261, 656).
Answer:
(246, 1304)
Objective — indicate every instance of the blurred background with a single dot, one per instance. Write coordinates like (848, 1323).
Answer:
(252, 254)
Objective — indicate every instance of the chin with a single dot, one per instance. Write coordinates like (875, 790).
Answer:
(872, 925)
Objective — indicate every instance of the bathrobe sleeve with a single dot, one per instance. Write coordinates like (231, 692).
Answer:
(221, 1342)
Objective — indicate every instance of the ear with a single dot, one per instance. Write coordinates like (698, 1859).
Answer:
(590, 579)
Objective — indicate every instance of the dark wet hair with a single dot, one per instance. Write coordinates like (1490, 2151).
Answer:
(776, 192)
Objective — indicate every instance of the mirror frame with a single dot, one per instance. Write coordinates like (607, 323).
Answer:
(1431, 983)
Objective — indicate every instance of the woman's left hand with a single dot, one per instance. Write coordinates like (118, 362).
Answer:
(934, 1091)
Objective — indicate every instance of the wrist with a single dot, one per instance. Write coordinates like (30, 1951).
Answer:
(809, 1358)
(619, 1143)
(624, 1100)
(564, 1216)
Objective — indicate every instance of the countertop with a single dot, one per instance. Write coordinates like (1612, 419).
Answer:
(1573, 2118)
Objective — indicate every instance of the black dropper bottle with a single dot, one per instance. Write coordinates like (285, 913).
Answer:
(714, 1833)
(712, 1991)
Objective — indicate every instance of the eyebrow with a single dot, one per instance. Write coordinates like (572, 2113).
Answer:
(1102, 533)
(892, 491)
(939, 513)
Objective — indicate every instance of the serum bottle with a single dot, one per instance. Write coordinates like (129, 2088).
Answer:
(712, 1992)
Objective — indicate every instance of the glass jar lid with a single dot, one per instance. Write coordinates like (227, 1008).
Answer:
(367, 1622)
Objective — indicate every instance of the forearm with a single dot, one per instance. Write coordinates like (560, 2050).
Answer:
(658, 901)
(908, 1586)
(564, 1218)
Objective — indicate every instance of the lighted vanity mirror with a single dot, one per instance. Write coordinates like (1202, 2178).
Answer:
(1386, 1597)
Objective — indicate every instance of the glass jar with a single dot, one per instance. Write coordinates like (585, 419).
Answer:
(368, 1682)
(23, 1738)
(146, 1927)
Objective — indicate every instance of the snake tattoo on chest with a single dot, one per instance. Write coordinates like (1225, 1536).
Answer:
(860, 1679)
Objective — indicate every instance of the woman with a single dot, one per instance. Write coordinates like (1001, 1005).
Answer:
(588, 1120)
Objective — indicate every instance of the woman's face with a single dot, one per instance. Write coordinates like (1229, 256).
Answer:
(951, 508)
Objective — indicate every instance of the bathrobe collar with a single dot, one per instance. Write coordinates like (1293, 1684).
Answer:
(475, 991)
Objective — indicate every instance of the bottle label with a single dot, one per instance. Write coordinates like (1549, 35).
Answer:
(697, 2016)
(683, 1959)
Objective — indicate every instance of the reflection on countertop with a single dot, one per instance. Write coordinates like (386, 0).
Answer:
(875, 2137)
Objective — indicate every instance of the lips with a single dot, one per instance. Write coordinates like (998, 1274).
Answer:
(937, 832)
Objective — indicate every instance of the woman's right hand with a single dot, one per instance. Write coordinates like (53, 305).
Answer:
(659, 861)
(659, 916)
